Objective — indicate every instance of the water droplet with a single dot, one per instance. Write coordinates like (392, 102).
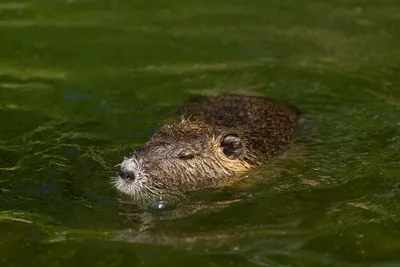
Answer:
(235, 248)
(160, 203)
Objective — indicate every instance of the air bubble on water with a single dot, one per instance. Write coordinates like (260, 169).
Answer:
(160, 203)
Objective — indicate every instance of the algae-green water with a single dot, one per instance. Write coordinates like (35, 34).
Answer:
(83, 82)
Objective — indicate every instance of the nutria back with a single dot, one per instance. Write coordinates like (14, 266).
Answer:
(266, 125)
(217, 138)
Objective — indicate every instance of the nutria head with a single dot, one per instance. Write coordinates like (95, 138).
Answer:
(229, 135)
(183, 156)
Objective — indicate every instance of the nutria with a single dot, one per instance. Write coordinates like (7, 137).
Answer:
(216, 138)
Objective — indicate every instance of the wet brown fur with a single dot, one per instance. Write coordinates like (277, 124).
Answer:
(192, 153)
(266, 124)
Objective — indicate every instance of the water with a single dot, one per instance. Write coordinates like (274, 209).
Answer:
(84, 82)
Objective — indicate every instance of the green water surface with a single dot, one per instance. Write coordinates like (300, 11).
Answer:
(82, 82)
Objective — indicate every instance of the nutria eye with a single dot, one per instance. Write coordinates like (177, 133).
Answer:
(185, 156)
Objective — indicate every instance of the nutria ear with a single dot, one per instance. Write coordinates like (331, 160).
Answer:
(232, 146)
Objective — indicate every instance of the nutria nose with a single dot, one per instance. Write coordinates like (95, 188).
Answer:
(126, 175)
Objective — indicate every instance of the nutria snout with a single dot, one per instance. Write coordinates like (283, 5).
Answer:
(126, 174)
(222, 136)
